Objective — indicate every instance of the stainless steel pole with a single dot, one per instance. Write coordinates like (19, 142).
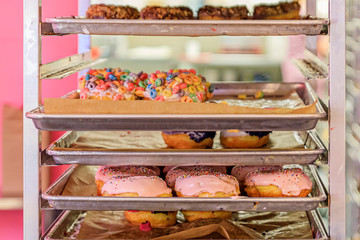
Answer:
(31, 55)
(337, 119)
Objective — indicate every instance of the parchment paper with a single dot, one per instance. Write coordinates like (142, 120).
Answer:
(152, 140)
(91, 106)
(243, 225)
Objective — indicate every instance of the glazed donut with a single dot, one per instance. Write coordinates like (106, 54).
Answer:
(240, 172)
(278, 183)
(178, 85)
(211, 185)
(112, 84)
(188, 140)
(104, 173)
(285, 10)
(102, 11)
(222, 13)
(178, 171)
(156, 12)
(243, 139)
(141, 186)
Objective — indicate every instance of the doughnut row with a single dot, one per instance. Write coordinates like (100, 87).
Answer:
(197, 181)
(181, 85)
(201, 140)
(285, 10)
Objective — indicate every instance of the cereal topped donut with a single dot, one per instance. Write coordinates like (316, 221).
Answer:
(179, 85)
(278, 183)
(111, 84)
(104, 173)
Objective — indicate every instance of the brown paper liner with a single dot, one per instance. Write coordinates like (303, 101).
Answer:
(77, 106)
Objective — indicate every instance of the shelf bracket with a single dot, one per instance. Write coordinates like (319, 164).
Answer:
(312, 67)
(64, 67)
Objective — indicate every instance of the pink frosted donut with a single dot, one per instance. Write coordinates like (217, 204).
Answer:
(142, 186)
(278, 183)
(175, 172)
(240, 171)
(104, 173)
(206, 185)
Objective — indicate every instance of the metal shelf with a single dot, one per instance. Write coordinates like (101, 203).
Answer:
(312, 149)
(68, 221)
(192, 28)
(34, 29)
(238, 203)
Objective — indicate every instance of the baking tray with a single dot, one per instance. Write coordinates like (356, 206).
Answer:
(66, 25)
(178, 122)
(240, 203)
(68, 221)
(313, 149)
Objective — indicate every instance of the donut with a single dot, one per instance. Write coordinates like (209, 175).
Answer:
(178, 85)
(112, 84)
(156, 12)
(285, 10)
(278, 183)
(176, 172)
(104, 173)
(222, 13)
(243, 139)
(211, 185)
(141, 186)
(102, 11)
(188, 139)
(240, 172)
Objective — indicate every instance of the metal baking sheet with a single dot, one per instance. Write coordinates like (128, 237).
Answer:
(240, 203)
(193, 28)
(313, 149)
(68, 222)
(177, 122)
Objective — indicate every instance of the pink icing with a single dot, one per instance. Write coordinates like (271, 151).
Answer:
(193, 185)
(104, 173)
(176, 172)
(145, 186)
(145, 227)
(240, 172)
(290, 181)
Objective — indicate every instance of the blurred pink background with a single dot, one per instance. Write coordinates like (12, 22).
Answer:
(11, 38)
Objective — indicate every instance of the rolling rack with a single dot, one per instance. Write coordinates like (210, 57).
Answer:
(34, 159)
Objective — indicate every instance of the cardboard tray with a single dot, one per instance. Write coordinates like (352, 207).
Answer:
(152, 115)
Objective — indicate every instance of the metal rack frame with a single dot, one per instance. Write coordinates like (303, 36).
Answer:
(32, 98)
